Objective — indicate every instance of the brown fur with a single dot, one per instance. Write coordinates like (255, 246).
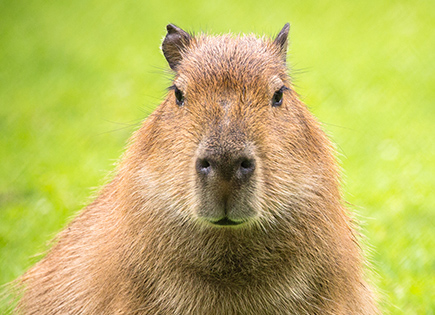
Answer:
(147, 244)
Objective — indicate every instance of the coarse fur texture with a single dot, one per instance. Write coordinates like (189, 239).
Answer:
(227, 201)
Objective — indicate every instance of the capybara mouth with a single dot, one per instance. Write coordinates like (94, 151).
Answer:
(226, 222)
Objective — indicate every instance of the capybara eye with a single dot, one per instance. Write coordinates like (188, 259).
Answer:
(179, 97)
(277, 97)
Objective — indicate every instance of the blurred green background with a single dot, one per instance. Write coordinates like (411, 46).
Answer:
(78, 77)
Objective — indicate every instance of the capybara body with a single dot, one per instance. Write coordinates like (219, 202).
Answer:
(227, 201)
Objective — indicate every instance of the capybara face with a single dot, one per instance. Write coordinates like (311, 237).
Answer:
(230, 107)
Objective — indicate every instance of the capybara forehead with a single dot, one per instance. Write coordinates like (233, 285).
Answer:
(231, 62)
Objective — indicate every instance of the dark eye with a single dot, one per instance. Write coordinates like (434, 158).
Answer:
(179, 97)
(277, 97)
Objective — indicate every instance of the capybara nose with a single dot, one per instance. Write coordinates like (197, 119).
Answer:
(226, 166)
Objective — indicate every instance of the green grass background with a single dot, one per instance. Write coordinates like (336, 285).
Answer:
(77, 77)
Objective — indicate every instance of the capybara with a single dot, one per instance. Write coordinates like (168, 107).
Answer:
(227, 201)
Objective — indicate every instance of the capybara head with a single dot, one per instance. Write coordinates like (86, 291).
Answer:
(231, 143)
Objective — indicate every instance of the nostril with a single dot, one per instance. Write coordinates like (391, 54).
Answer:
(203, 166)
(247, 166)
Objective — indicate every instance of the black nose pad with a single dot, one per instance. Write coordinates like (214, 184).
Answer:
(226, 167)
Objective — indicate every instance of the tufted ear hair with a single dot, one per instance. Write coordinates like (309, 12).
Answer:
(175, 42)
(281, 41)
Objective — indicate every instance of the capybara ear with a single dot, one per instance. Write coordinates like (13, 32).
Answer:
(282, 42)
(175, 42)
